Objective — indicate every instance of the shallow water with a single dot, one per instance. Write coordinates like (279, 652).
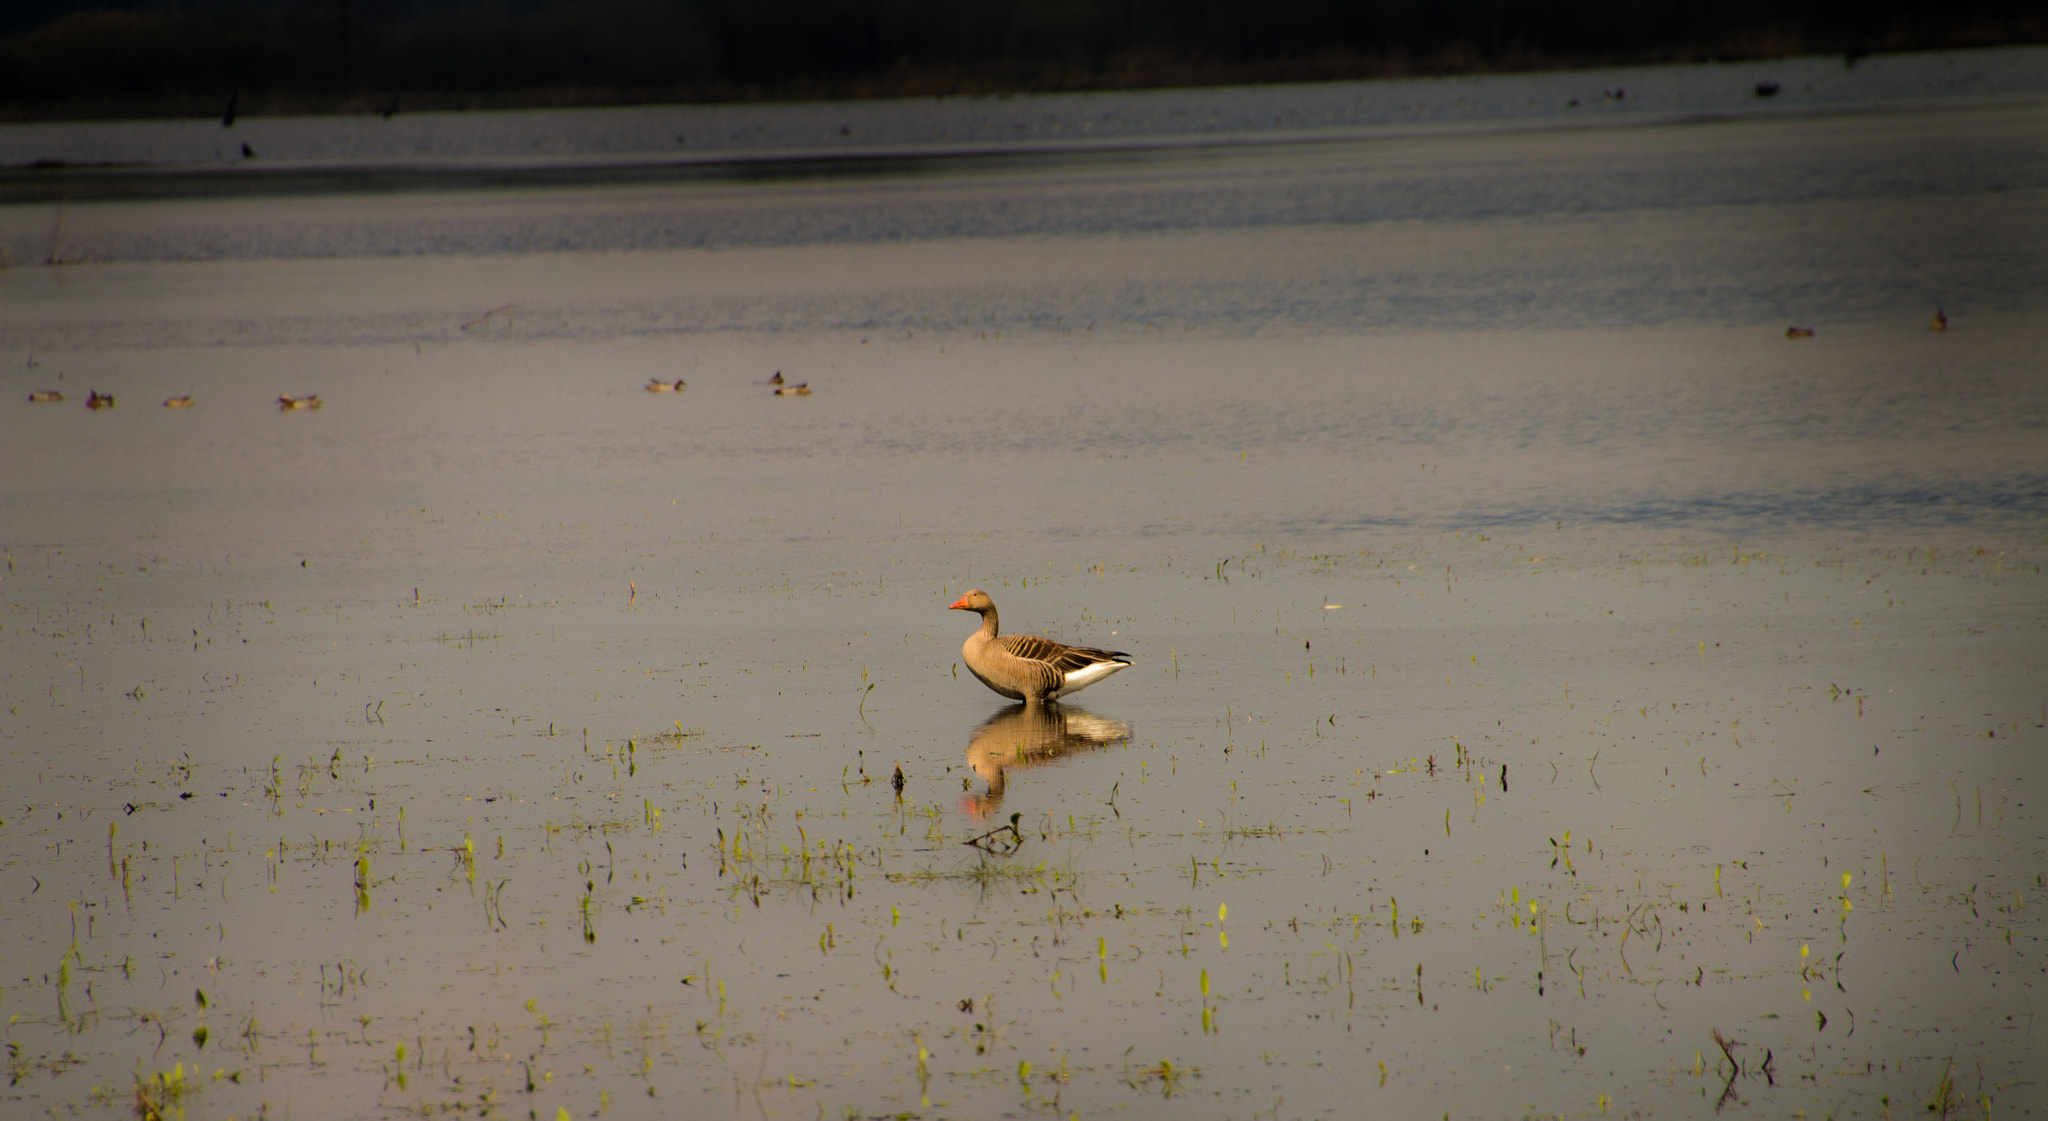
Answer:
(1542, 662)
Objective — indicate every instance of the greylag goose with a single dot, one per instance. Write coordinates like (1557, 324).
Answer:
(1025, 667)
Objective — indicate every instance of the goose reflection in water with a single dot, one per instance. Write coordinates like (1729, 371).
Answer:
(1020, 736)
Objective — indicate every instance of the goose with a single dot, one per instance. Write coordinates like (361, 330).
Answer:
(1025, 667)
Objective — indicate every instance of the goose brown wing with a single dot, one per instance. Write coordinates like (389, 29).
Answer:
(1062, 658)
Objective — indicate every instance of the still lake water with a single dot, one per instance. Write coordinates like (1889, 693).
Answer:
(1543, 664)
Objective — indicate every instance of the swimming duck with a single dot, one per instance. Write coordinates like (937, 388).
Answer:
(800, 389)
(656, 385)
(45, 396)
(1798, 332)
(99, 400)
(286, 402)
(1940, 321)
(177, 402)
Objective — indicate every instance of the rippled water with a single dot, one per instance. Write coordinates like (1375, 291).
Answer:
(1543, 663)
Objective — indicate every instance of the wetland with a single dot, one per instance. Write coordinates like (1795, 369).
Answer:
(1557, 692)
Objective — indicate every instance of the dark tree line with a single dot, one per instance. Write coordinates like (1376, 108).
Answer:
(60, 56)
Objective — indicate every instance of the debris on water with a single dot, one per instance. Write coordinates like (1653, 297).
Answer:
(1003, 840)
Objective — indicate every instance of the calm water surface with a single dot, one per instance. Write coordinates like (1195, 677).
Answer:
(1543, 664)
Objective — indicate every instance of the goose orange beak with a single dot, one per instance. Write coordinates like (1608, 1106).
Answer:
(958, 604)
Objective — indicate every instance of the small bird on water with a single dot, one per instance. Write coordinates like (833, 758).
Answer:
(656, 385)
(99, 400)
(177, 402)
(1940, 322)
(1798, 332)
(288, 403)
(1025, 667)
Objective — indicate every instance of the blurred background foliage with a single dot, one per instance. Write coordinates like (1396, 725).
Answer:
(176, 57)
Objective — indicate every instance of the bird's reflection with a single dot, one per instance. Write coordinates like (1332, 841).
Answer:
(1021, 736)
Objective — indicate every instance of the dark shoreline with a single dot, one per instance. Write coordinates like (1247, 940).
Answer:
(783, 141)
(251, 62)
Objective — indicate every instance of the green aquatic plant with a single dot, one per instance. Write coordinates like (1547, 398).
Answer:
(162, 1095)
(363, 878)
(1945, 1099)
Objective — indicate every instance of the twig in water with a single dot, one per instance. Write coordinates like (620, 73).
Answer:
(1728, 1047)
(995, 842)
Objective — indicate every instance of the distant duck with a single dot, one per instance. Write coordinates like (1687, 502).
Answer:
(1798, 332)
(656, 385)
(45, 396)
(99, 400)
(800, 389)
(1767, 89)
(177, 402)
(288, 403)
(1940, 321)
(777, 379)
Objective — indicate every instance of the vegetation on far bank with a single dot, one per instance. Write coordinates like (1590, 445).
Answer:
(149, 58)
